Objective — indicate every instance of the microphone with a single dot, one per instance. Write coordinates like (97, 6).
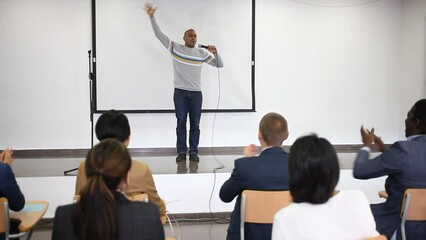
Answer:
(203, 46)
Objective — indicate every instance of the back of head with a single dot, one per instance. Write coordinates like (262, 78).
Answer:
(420, 113)
(112, 124)
(274, 129)
(314, 170)
(107, 165)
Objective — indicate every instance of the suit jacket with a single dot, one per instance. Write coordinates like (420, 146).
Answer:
(268, 171)
(9, 188)
(136, 220)
(140, 181)
(405, 164)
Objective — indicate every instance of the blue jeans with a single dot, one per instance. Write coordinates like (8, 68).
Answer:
(187, 102)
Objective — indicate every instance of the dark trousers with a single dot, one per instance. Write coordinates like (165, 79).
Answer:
(388, 220)
(187, 103)
(14, 228)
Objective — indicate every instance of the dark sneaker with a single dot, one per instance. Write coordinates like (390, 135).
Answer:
(181, 157)
(194, 157)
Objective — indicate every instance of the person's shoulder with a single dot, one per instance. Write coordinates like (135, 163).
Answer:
(67, 206)
(408, 145)
(136, 163)
(275, 153)
(139, 168)
(267, 153)
(245, 160)
(203, 52)
(287, 211)
(177, 46)
(274, 150)
(82, 164)
(65, 210)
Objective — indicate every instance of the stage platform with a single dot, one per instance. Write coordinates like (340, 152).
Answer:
(55, 166)
(187, 188)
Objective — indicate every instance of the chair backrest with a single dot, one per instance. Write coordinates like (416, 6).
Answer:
(4, 216)
(413, 207)
(140, 197)
(261, 206)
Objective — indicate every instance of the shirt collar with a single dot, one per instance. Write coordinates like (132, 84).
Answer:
(413, 136)
(267, 148)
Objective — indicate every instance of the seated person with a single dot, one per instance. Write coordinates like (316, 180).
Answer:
(319, 211)
(103, 211)
(268, 171)
(114, 124)
(405, 165)
(9, 188)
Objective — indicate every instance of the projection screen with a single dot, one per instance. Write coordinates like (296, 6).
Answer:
(133, 70)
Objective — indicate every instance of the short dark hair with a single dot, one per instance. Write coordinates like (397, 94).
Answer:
(188, 30)
(314, 170)
(112, 124)
(420, 113)
(273, 128)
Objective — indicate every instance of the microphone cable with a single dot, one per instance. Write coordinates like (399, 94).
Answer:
(221, 166)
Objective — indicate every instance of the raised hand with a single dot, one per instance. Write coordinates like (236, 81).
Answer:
(6, 156)
(250, 150)
(378, 141)
(367, 136)
(150, 9)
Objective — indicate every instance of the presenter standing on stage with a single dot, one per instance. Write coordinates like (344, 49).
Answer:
(188, 98)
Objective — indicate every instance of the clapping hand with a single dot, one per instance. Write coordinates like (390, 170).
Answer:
(250, 150)
(369, 138)
(6, 156)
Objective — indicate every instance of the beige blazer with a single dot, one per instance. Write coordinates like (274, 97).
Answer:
(140, 181)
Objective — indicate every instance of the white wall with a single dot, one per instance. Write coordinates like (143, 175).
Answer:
(412, 82)
(328, 70)
(43, 71)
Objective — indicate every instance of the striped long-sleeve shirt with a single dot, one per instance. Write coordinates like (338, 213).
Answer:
(187, 61)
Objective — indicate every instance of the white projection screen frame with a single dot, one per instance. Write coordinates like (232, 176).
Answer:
(133, 71)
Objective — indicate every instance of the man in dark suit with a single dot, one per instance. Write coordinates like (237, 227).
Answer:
(268, 171)
(405, 164)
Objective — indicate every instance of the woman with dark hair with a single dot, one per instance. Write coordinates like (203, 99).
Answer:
(103, 211)
(319, 211)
